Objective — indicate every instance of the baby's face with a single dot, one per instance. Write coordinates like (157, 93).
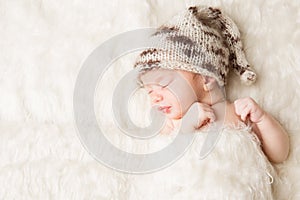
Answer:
(171, 90)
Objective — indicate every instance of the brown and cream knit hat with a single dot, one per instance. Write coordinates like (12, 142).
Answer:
(201, 40)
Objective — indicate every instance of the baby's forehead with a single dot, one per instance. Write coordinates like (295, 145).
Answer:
(156, 75)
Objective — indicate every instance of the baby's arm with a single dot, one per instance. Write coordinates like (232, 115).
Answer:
(275, 140)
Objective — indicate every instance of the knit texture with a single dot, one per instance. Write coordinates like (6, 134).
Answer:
(201, 40)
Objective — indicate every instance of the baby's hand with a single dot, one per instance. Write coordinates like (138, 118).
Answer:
(248, 107)
(199, 114)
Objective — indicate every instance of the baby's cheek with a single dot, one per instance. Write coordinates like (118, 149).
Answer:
(178, 110)
(177, 102)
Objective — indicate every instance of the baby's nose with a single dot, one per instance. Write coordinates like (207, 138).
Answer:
(157, 98)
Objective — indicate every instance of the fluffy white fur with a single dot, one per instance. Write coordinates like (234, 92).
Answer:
(43, 45)
(235, 169)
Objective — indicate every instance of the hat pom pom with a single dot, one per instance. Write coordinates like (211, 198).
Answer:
(248, 77)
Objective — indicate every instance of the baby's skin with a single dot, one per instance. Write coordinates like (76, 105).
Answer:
(177, 93)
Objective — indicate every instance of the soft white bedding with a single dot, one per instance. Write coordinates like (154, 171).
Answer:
(235, 169)
(43, 44)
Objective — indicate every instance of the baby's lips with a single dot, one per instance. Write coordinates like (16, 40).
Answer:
(162, 107)
(165, 109)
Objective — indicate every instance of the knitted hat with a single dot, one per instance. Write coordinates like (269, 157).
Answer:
(202, 40)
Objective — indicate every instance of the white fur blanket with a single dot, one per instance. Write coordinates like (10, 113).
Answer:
(235, 169)
(43, 44)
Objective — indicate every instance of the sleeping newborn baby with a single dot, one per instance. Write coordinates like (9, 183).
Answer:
(186, 73)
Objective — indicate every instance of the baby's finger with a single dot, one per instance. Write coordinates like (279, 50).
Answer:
(239, 107)
(245, 112)
(206, 118)
(244, 115)
(205, 122)
(212, 117)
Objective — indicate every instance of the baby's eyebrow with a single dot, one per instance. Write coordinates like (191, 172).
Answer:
(159, 78)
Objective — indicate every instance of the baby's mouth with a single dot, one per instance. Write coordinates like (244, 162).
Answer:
(165, 109)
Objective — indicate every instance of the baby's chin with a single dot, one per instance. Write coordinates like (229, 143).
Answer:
(174, 116)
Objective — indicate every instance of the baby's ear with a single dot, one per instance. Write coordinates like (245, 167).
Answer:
(208, 83)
